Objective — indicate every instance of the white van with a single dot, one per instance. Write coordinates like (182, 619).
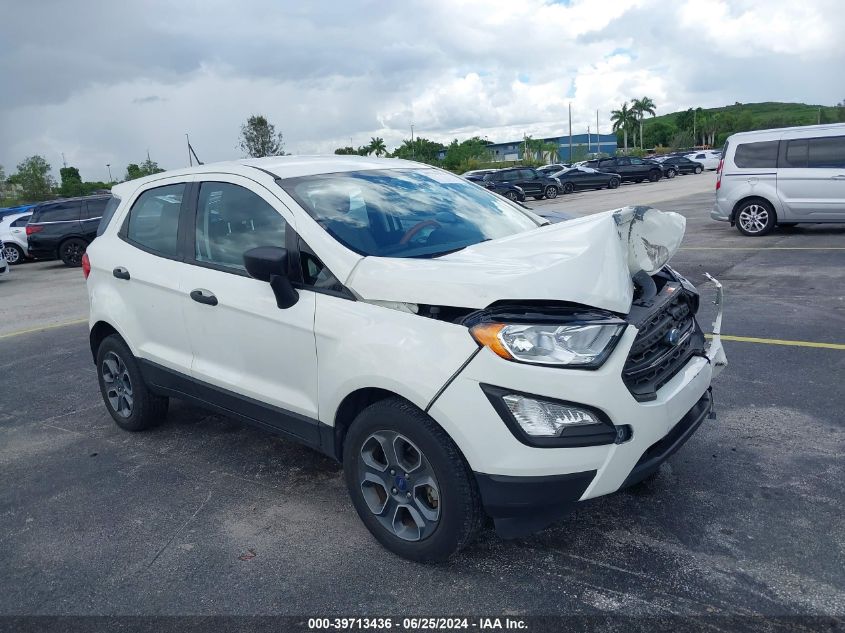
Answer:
(783, 176)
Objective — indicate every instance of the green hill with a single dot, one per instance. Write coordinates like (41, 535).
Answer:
(713, 125)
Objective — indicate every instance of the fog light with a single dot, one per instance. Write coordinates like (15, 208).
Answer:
(546, 419)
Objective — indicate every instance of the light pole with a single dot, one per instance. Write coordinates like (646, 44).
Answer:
(108, 166)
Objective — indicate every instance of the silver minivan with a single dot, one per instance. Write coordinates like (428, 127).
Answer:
(782, 177)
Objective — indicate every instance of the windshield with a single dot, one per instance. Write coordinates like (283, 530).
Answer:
(406, 212)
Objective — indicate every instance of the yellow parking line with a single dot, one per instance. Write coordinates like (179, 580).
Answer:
(42, 327)
(775, 341)
(762, 248)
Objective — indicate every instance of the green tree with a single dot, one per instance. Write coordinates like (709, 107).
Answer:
(71, 182)
(420, 149)
(348, 150)
(377, 146)
(460, 156)
(35, 179)
(147, 168)
(623, 120)
(684, 120)
(641, 107)
(258, 138)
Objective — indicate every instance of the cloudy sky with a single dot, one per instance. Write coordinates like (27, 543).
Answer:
(105, 81)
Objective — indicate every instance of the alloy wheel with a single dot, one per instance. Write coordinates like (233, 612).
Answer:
(399, 486)
(754, 218)
(118, 385)
(73, 252)
(12, 254)
(551, 192)
(511, 195)
(568, 188)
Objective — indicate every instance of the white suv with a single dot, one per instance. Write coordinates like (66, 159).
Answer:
(782, 177)
(457, 353)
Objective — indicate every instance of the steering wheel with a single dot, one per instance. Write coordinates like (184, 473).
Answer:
(410, 233)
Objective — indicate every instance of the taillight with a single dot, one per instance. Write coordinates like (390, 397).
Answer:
(86, 265)
(719, 173)
(33, 228)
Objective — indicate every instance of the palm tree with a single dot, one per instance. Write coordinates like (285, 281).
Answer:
(377, 146)
(552, 150)
(623, 119)
(642, 107)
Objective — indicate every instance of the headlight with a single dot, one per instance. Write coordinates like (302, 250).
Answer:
(583, 345)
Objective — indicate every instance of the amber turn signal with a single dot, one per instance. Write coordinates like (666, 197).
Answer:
(487, 334)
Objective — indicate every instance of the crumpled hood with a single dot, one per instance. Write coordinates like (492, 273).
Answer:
(588, 260)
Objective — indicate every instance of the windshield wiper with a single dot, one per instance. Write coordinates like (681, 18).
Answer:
(460, 248)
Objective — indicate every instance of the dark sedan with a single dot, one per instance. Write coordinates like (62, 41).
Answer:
(586, 178)
(506, 189)
(681, 165)
(477, 175)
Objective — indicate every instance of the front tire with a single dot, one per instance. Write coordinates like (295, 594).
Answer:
(511, 195)
(653, 176)
(131, 404)
(671, 173)
(409, 483)
(71, 252)
(698, 170)
(614, 183)
(14, 254)
(551, 192)
(755, 218)
(568, 187)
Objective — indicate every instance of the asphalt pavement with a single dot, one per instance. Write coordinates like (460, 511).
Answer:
(203, 515)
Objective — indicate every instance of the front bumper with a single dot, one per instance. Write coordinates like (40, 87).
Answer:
(553, 479)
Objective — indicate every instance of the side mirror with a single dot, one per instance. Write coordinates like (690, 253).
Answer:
(270, 264)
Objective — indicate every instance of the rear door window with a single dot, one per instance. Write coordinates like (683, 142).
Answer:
(795, 154)
(66, 211)
(760, 155)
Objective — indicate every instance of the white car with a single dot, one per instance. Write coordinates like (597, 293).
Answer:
(457, 353)
(13, 235)
(4, 266)
(709, 159)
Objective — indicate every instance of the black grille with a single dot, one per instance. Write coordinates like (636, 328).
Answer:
(654, 358)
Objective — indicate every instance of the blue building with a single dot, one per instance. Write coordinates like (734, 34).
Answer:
(582, 145)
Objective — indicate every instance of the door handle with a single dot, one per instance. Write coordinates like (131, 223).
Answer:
(121, 273)
(204, 296)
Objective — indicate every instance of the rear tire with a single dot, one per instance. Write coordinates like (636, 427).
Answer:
(755, 217)
(671, 173)
(71, 252)
(424, 522)
(698, 170)
(129, 401)
(653, 176)
(14, 254)
(614, 183)
(568, 187)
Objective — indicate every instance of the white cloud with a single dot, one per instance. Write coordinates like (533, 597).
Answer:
(104, 83)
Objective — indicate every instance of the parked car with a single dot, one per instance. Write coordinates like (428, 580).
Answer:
(782, 177)
(506, 189)
(708, 159)
(477, 175)
(4, 266)
(673, 165)
(15, 210)
(531, 181)
(586, 178)
(629, 168)
(13, 235)
(63, 229)
(551, 169)
(458, 355)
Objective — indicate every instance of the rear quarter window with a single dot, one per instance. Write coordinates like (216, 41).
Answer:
(758, 155)
(108, 213)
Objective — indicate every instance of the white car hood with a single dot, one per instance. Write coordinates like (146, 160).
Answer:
(589, 261)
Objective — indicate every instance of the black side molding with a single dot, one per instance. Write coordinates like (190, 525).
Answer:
(300, 428)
